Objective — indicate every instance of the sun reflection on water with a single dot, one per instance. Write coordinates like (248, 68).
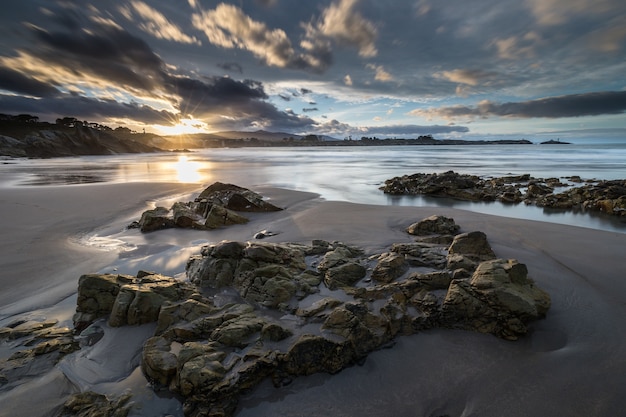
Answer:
(188, 171)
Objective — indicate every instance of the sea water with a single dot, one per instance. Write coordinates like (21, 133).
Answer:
(347, 173)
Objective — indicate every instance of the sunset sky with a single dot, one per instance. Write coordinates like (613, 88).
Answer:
(450, 68)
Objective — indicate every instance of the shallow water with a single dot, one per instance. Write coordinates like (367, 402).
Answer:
(347, 173)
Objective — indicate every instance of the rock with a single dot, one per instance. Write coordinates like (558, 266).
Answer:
(96, 296)
(215, 207)
(422, 254)
(311, 354)
(155, 219)
(219, 216)
(185, 217)
(128, 300)
(266, 273)
(473, 245)
(237, 331)
(245, 314)
(439, 280)
(498, 299)
(317, 307)
(589, 195)
(439, 225)
(390, 266)
(235, 198)
(158, 363)
(91, 404)
(344, 275)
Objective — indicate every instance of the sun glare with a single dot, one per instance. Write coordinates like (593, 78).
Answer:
(187, 171)
(183, 127)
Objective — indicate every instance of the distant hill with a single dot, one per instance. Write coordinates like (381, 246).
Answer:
(227, 138)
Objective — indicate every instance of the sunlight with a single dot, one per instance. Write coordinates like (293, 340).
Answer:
(183, 127)
(187, 171)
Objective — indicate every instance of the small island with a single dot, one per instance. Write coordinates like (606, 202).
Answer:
(554, 142)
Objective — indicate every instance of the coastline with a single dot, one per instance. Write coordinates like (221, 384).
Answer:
(578, 267)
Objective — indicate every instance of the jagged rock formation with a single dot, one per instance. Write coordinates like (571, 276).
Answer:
(256, 310)
(603, 196)
(216, 206)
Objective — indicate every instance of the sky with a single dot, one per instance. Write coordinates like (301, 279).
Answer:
(342, 68)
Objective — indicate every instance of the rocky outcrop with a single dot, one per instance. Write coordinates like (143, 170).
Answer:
(125, 299)
(592, 195)
(499, 298)
(91, 404)
(257, 310)
(215, 207)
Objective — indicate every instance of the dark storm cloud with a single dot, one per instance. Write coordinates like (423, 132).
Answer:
(106, 54)
(86, 108)
(106, 51)
(19, 83)
(231, 66)
(573, 105)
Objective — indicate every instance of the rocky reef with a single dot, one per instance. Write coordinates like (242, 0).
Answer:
(217, 206)
(250, 311)
(592, 195)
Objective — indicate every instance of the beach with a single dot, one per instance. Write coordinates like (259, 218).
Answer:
(571, 363)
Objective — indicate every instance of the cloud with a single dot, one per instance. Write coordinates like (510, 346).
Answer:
(109, 63)
(20, 83)
(555, 12)
(342, 22)
(227, 26)
(231, 66)
(156, 24)
(347, 80)
(573, 105)
(381, 73)
(465, 76)
(86, 108)
(518, 47)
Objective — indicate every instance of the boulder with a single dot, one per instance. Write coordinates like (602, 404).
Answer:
(473, 245)
(185, 217)
(391, 265)
(235, 198)
(158, 363)
(311, 354)
(439, 225)
(96, 296)
(499, 298)
(344, 275)
(91, 404)
(155, 219)
(219, 216)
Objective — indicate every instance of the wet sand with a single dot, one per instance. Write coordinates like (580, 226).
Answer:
(572, 363)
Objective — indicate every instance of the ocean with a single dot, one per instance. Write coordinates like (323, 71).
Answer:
(346, 173)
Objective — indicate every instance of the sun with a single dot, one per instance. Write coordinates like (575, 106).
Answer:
(183, 127)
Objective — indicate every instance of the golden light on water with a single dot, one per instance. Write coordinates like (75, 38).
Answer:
(187, 171)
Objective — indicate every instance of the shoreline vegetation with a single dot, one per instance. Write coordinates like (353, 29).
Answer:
(24, 136)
